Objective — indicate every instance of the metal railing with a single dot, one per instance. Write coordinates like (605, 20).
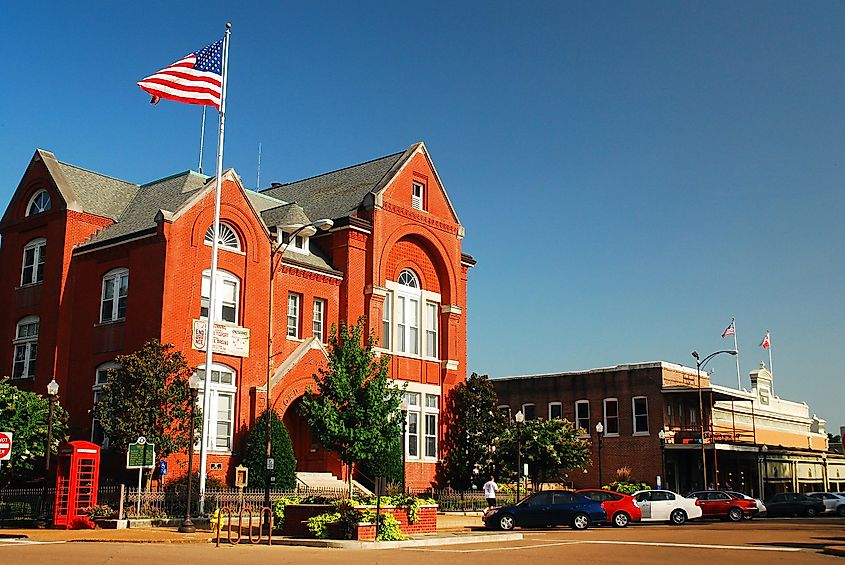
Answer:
(19, 504)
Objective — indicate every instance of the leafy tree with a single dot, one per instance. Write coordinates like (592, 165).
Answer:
(388, 464)
(25, 414)
(473, 427)
(281, 450)
(549, 447)
(354, 410)
(148, 395)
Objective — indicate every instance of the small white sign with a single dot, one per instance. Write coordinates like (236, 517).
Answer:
(228, 340)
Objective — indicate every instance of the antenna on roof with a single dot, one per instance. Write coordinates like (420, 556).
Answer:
(258, 175)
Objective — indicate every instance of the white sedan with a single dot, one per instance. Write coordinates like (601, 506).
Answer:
(666, 506)
(834, 503)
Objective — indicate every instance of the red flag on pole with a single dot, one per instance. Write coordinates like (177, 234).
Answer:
(767, 342)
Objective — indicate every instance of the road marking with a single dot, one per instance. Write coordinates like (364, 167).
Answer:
(693, 545)
(14, 541)
(491, 548)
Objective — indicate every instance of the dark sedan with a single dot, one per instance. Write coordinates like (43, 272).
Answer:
(793, 504)
(546, 509)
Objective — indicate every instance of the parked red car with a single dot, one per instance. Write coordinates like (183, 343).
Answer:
(620, 508)
(719, 504)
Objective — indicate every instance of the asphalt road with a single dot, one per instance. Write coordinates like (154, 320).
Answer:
(758, 541)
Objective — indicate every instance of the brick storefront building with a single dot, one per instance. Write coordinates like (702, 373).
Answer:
(753, 440)
(92, 267)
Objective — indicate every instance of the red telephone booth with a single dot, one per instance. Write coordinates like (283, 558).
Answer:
(77, 478)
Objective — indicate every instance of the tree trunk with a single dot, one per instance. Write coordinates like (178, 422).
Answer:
(349, 467)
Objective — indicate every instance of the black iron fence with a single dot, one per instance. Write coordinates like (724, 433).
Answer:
(21, 504)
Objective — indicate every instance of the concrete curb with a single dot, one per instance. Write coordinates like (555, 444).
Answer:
(165, 541)
(837, 550)
(427, 542)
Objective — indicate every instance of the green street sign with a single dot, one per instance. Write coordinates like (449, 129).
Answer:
(140, 456)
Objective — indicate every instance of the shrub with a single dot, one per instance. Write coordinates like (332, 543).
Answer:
(281, 450)
(319, 525)
(100, 511)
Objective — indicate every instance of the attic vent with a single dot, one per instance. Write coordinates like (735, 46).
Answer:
(276, 185)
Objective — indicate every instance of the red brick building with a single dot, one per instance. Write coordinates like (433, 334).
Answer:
(92, 267)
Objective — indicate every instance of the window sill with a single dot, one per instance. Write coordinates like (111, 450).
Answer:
(610, 435)
(110, 322)
(29, 285)
(23, 378)
(296, 339)
(641, 434)
(410, 355)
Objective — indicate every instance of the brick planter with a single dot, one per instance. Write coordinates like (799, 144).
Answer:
(296, 516)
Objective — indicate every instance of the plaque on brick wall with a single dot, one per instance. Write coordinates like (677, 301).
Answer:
(228, 340)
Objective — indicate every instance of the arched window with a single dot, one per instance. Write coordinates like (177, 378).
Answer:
(227, 296)
(221, 413)
(26, 347)
(40, 202)
(115, 294)
(417, 317)
(33, 262)
(98, 436)
(408, 313)
(226, 237)
(408, 278)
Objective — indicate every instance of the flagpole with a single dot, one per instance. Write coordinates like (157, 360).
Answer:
(202, 138)
(206, 400)
(736, 348)
(771, 368)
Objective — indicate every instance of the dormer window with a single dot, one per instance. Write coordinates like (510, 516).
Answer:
(40, 202)
(298, 243)
(417, 193)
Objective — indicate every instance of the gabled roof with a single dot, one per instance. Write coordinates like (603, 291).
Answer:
(99, 194)
(339, 193)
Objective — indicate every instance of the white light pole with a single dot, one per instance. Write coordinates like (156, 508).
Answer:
(600, 434)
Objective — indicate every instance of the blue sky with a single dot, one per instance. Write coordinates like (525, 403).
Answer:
(630, 174)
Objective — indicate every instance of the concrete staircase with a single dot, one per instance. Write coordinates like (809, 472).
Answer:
(328, 481)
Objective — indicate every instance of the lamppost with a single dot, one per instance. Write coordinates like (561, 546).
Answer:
(277, 249)
(600, 434)
(519, 418)
(404, 408)
(765, 450)
(699, 364)
(52, 396)
(187, 526)
(662, 435)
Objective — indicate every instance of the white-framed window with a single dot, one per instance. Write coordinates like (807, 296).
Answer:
(431, 412)
(611, 417)
(529, 411)
(33, 262)
(639, 404)
(298, 243)
(294, 301)
(386, 320)
(582, 415)
(422, 417)
(227, 237)
(98, 436)
(26, 347)
(431, 309)
(318, 321)
(417, 195)
(114, 296)
(505, 410)
(555, 411)
(221, 413)
(412, 424)
(408, 313)
(226, 296)
(40, 202)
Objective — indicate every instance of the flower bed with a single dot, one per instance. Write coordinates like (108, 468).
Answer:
(328, 520)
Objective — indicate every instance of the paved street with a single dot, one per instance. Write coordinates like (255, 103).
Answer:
(758, 541)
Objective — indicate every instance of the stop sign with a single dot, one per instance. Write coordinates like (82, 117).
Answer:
(5, 446)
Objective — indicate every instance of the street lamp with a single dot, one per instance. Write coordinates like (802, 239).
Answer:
(52, 396)
(765, 450)
(404, 408)
(187, 526)
(277, 248)
(662, 435)
(699, 364)
(519, 418)
(600, 433)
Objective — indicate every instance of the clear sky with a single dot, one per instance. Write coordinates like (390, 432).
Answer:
(630, 174)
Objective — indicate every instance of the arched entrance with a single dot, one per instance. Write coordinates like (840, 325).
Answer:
(310, 456)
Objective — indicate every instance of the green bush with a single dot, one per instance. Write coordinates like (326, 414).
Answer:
(387, 464)
(626, 487)
(255, 453)
(319, 525)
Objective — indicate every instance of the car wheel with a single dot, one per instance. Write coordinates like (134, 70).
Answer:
(621, 520)
(580, 521)
(811, 512)
(735, 514)
(506, 522)
(678, 517)
(748, 516)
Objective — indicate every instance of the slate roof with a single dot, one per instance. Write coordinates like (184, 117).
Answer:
(337, 194)
(98, 194)
(286, 215)
(169, 194)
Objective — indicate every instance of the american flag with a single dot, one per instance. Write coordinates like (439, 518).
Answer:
(730, 330)
(196, 79)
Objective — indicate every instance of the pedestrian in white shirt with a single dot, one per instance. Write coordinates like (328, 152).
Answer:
(490, 488)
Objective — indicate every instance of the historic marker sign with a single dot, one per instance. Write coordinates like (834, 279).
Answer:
(141, 455)
(5, 446)
(228, 340)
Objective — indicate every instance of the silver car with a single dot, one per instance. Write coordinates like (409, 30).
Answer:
(834, 503)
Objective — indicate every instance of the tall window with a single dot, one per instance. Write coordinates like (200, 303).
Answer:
(26, 348)
(611, 417)
(227, 238)
(40, 202)
(431, 412)
(318, 321)
(115, 293)
(431, 329)
(412, 424)
(407, 313)
(221, 414)
(386, 321)
(411, 318)
(293, 314)
(417, 194)
(33, 262)
(640, 406)
(555, 411)
(226, 296)
(98, 436)
(582, 415)
(528, 410)
(421, 424)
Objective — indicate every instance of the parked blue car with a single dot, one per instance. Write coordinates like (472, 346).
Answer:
(547, 509)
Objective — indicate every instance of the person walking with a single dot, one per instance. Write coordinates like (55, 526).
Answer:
(490, 489)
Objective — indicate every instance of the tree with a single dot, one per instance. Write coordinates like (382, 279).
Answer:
(255, 453)
(473, 426)
(549, 447)
(25, 414)
(354, 410)
(148, 395)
